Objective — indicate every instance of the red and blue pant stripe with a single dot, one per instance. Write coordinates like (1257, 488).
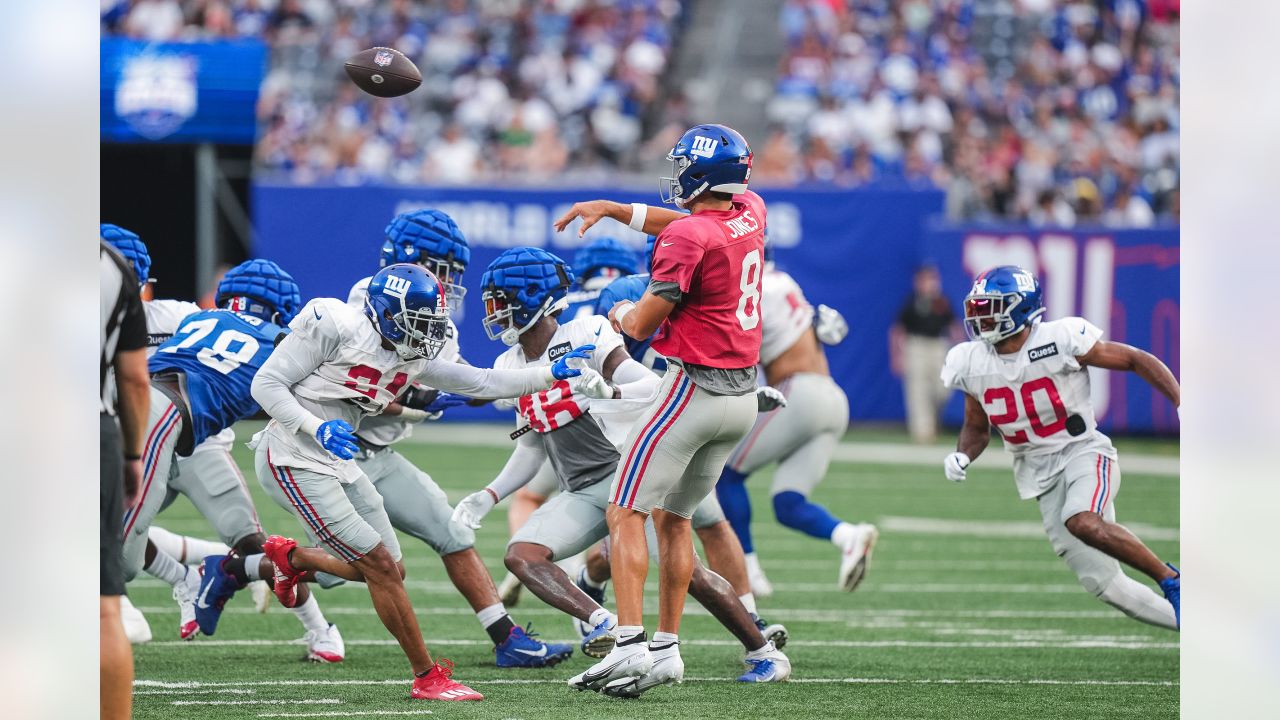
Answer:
(170, 419)
(286, 481)
(682, 389)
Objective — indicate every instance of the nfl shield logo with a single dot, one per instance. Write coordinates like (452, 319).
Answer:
(382, 58)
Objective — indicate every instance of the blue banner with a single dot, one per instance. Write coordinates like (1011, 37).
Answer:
(1123, 281)
(853, 250)
(180, 92)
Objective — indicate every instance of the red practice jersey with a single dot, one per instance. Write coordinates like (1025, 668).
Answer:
(717, 259)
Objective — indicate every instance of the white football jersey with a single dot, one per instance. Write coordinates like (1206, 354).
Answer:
(1037, 398)
(560, 405)
(333, 366)
(388, 429)
(785, 312)
(163, 319)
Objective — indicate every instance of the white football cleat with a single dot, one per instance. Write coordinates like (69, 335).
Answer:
(623, 661)
(262, 595)
(760, 585)
(509, 590)
(668, 669)
(325, 646)
(185, 593)
(136, 627)
(768, 665)
(857, 556)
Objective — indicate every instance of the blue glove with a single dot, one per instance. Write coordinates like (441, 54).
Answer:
(339, 438)
(444, 401)
(561, 370)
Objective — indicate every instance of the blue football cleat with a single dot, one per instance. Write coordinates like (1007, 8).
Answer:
(775, 633)
(600, 640)
(1172, 588)
(520, 649)
(764, 670)
(596, 594)
(216, 588)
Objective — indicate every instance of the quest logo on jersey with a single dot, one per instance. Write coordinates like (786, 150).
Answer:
(558, 351)
(1043, 352)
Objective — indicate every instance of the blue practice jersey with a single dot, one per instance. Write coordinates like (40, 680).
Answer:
(631, 288)
(219, 351)
(582, 303)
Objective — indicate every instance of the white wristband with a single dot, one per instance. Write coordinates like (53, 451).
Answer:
(622, 311)
(639, 212)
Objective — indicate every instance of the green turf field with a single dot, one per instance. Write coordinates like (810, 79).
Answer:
(971, 618)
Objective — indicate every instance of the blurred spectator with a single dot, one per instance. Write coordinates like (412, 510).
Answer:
(1006, 105)
(154, 20)
(918, 348)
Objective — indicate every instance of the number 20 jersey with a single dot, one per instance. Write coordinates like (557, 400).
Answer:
(219, 351)
(1035, 397)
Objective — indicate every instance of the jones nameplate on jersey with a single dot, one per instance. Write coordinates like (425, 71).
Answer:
(559, 351)
(1043, 351)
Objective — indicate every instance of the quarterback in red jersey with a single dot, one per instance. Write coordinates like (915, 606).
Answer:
(703, 300)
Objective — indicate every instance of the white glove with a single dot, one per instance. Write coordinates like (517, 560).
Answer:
(414, 415)
(472, 509)
(954, 466)
(830, 325)
(769, 399)
(593, 385)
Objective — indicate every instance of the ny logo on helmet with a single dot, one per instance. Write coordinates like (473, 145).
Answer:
(703, 146)
(397, 286)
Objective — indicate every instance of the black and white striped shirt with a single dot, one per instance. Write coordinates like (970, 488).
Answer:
(124, 326)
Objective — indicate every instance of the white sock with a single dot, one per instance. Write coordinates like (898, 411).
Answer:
(749, 602)
(1139, 602)
(762, 651)
(665, 641)
(585, 577)
(492, 614)
(253, 566)
(310, 615)
(753, 564)
(626, 632)
(165, 567)
(186, 550)
(599, 615)
(844, 535)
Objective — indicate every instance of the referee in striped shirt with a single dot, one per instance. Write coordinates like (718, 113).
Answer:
(124, 401)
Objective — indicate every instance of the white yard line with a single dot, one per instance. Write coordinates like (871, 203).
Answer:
(196, 684)
(783, 613)
(1006, 529)
(1085, 643)
(365, 713)
(496, 435)
(316, 701)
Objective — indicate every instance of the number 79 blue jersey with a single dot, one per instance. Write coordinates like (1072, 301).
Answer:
(219, 351)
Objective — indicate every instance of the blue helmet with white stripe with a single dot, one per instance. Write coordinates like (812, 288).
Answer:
(712, 158)
(260, 288)
(1003, 301)
(429, 238)
(604, 257)
(410, 308)
(520, 287)
(131, 247)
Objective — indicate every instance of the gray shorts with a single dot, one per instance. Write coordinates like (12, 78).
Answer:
(414, 502)
(544, 484)
(347, 520)
(571, 522)
(212, 481)
(1088, 483)
(676, 451)
(164, 425)
(800, 437)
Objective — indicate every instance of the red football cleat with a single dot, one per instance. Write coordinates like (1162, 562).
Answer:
(438, 684)
(285, 582)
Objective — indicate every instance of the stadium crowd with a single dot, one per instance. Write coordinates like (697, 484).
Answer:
(1052, 112)
(512, 90)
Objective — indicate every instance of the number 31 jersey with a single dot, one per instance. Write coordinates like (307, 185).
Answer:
(219, 351)
(1037, 398)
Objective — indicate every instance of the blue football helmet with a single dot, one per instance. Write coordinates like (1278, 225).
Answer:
(410, 308)
(605, 256)
(429, 238)
(1003, 301)
(260, 288)
(520, 287)
(707, 157)
(131, 247)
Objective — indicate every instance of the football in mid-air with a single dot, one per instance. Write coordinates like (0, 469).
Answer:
(383, 72)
